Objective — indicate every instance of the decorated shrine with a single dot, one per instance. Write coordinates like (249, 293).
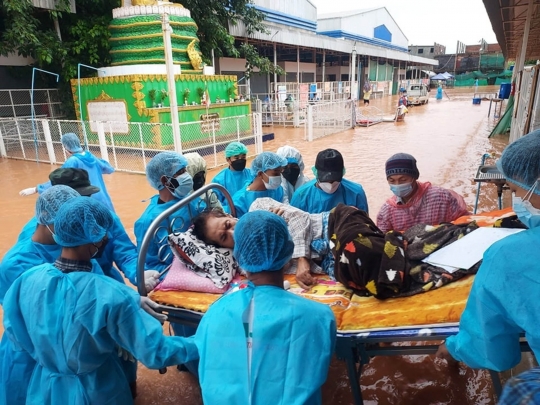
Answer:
(134, 88)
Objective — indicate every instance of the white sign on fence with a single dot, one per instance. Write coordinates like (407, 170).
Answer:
(113, 112)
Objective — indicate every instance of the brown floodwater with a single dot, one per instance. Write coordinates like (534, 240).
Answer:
(448, 138)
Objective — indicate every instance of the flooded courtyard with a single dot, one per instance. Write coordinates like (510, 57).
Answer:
(447, 137)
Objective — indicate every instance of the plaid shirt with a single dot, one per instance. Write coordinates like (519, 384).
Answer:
(524, 389)
(69, 266)
(300, 224)
(432, 205)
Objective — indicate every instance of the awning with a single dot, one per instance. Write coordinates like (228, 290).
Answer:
(508, 21)
(442, 76)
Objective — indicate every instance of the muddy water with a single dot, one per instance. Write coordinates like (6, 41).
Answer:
(447, 137)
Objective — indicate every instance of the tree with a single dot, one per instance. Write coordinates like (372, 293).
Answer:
(85, 36)
(213, 18)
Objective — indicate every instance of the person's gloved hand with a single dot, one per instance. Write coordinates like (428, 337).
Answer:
(151, 279)
(28, 191)
(125, 355)
(150, 306)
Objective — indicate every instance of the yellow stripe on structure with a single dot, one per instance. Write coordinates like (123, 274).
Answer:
(159, 48)
(157, 22)
(133, 62)
(152, 36)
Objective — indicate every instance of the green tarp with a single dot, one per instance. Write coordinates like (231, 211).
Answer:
(504, 123)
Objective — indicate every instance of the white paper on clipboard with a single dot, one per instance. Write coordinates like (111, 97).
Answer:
(469, 250)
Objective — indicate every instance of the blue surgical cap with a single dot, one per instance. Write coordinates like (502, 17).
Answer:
(267, 161)
(71, 142)
(50, 201)
(80, 221)
(235, 149)
(520, 161)
(164, 164)
(262, 242)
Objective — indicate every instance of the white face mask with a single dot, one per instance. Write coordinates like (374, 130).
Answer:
(525, 211)
(273, 182)
(329, 188)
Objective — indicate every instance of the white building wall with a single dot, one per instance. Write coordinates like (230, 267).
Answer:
(233, 65)
(14, 59)
(303, 9)
(333, 70)
(363, 24)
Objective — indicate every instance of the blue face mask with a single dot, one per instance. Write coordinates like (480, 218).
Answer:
(182, 185)
(401, 190)
(273, 182)
(525, 212)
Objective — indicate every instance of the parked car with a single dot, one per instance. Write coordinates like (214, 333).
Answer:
(417, 94)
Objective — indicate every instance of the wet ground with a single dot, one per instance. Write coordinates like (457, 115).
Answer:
(448, 138)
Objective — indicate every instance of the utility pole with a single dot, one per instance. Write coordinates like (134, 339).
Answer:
(175, 121)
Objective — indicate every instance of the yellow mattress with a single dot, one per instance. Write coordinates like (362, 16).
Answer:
(354, 313)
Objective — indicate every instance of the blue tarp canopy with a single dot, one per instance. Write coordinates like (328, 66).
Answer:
(442, 76)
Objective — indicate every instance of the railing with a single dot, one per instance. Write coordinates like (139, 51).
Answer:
(288, 113)
(17, 103)
(329, 118)
(128, 146)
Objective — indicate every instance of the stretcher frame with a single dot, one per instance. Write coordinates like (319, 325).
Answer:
(356, 349)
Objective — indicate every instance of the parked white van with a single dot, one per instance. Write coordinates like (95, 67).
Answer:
(417, 94)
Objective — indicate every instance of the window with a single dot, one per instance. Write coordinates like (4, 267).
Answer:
(431, 50)
(420, 50)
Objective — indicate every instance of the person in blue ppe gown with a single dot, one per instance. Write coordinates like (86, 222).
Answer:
(73, 322)
(503, 302)
(40, 247)
(166, 173)
(120, 255)
(236, 176)
(16, 366)
(293, 174)
(329, 187)
(257, 344)
(80, 159)
(197, 169)
(266, 170)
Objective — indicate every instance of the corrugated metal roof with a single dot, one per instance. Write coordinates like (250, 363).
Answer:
(292, 36)
(508, 21)
(51, 4)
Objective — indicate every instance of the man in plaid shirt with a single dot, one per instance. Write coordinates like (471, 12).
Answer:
(524, 389)
(415, 202)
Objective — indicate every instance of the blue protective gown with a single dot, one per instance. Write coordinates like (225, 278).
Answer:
(232, 181)
(293, 342)
(312, 199)
(244, 198)
(22, 257)
(159, 255)
(16, 366)
(72, 325)
(120, 250)
(503, 303)
(95, 167)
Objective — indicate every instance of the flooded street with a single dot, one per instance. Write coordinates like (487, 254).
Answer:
(447, 137)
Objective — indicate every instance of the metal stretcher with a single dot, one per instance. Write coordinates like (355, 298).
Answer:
(355, 349)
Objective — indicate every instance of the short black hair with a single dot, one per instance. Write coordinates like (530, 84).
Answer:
(199, 223)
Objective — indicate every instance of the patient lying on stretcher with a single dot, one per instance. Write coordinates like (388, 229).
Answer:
(348, 246)
(216, 228)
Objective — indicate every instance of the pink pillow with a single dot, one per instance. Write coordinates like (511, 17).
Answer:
(179, 277)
